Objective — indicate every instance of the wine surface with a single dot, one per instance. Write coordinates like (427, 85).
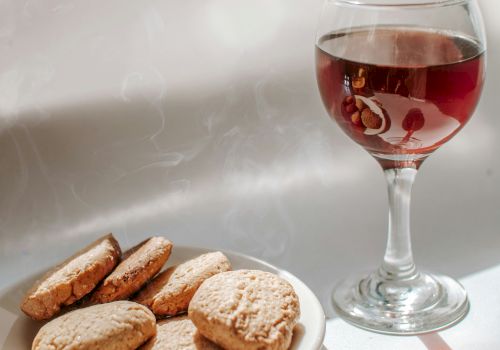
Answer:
(399, 92)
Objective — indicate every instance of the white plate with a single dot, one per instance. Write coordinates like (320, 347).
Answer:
(17, 331)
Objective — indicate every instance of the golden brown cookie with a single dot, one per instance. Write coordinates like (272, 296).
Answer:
(72, 279)
(171, 291)
(121, 325)
(246, 310)
(134, 271)
(178, 333)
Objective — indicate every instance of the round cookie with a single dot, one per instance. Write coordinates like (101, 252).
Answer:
(141, 263)
(246, 310)
(170, 292)
(72, 279)
(121, 325)
(178, 333)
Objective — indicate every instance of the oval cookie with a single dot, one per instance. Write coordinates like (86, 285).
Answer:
(247, 310)
(121, 325)
(178, 333)
(72, 279)
(170, 292)
(141, 263)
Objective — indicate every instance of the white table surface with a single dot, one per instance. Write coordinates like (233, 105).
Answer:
(202, 121)
(479, 330)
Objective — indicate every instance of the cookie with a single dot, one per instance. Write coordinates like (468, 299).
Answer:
(121, 325)
(171, 291)
(178, 333)
(138, 267)
(246, 310)
(72, 279)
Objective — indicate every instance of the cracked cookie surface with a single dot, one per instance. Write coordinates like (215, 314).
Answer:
(178, 333)
(170, 292)
(246, 309)
(121, 325)
(141, 263)
(72, 279)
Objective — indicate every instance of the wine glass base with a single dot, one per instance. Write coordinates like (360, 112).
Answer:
(421, 304)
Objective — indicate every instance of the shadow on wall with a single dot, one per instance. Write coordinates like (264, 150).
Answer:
(74, 169)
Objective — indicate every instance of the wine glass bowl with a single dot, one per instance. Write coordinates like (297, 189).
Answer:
(400, 78)
(398, 89)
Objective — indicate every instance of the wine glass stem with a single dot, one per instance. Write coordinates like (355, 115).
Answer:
(398, 260)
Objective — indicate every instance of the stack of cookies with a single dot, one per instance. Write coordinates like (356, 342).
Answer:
(123, 301)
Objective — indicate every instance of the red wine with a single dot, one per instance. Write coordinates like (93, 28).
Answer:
(399, 92)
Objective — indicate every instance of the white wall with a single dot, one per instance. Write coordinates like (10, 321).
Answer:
(201, 120)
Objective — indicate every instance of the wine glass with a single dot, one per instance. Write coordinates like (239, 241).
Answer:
(400, 78)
